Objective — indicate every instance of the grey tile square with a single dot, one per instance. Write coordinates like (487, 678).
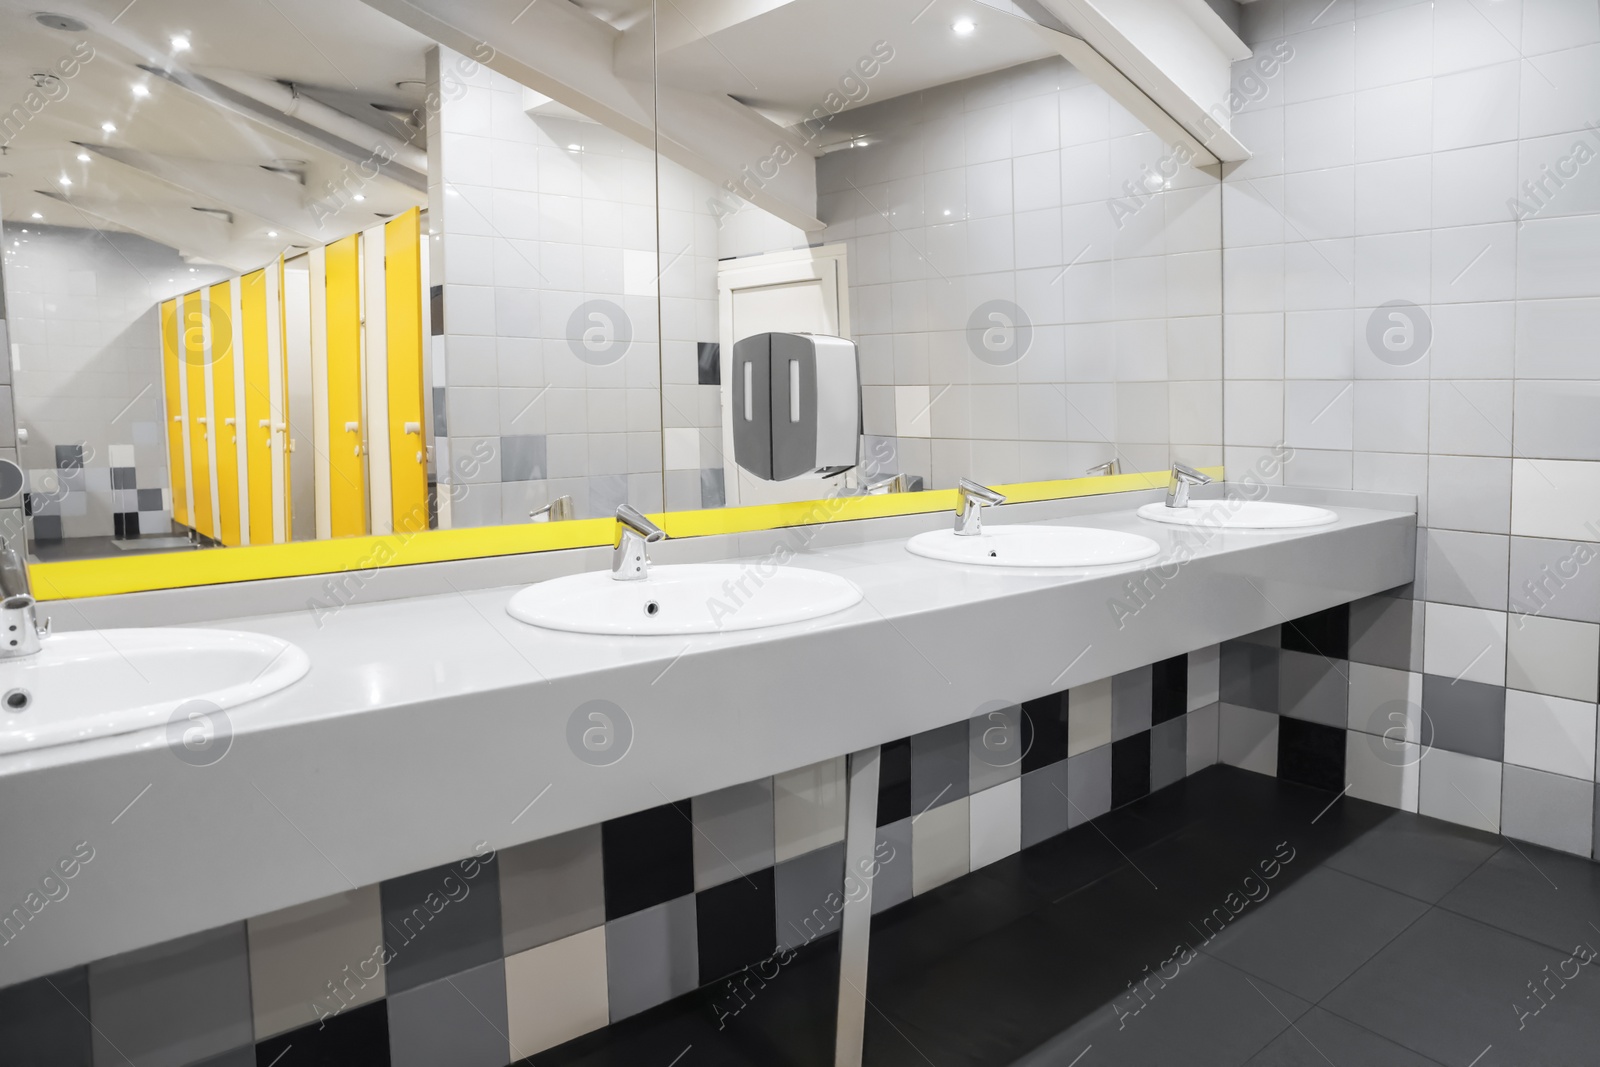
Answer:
(607, 492)
(1415, 855)
(1557, 579)
(315, 957)
(1547, 809)
(809, 894)
(1464, 716)
(1131, 694)
(996, 739)
(713, 487)
(428, 941)
(1469, 493)
(1313, 934)
(1318, 1038)
(651, 956)
(1467, 568)
(893, 849)
(523, 457)
(1444, 987)
(1314, 688)
(172, 1003)
(458, 1020)
(1169, 752)
(1249, 675)
(1595, 852)
(243, 1056)
(733, 833)
(1044, 804)
(1544, 896)
(550, 889)
(1386, 631)
(1088, 785)
(45, 1022)
(939, 766)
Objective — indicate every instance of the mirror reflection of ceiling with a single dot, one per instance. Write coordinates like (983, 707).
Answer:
(220, 130)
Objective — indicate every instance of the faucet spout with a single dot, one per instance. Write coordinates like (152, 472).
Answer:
(629, 561)
(1183, 479)
(21, 633)
(971, 499)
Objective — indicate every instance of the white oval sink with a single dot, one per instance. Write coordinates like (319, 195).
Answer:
(98, 683)
(1240, 515)
(689, 598)
(1034, 546)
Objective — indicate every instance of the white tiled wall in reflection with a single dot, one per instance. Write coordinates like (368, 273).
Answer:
(1015, 187)
(1444, 154)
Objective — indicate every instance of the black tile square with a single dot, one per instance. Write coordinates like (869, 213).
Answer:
(440, 922)
(436, 313)
(735, 924)
(355, 1038)
(124, 478)
(45, 1022)
(1415, 855)
(1311, 754)
(27, 504)
(1044, 731)
(151, 500)
(125, 524)
(1326, 633)
(1466, 717)
(1130, 769)
(1169, 693)
(710, 360)
(648, 858)
(69, 457)
(1309, 935)
(894, 781)
(1249, 675)
(47, 529)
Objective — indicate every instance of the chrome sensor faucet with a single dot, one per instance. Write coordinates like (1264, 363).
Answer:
(971, 499)
(629, 563)
(1182, 479)
(21, 633)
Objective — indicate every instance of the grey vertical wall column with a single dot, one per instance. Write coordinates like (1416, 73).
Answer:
(860, 837)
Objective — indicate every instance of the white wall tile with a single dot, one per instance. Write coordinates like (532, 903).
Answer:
(1550, 734)
(1383, 770)
(1460, 789)
(1475, 107)
(1465, 643)
(996, 823)
(1555, 498)
(1556, 657)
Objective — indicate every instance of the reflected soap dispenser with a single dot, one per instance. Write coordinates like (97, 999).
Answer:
(796, 405)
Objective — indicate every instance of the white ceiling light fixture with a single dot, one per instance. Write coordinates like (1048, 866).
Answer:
(141, 90)
(83, 157)
(964, 27)
(37, 215)
(64, 180)
(272, 233)
(108, 127)
(180, 42)
(359, 197)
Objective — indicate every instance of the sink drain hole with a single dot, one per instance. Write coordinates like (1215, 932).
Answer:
(17, 700)
(652, 609)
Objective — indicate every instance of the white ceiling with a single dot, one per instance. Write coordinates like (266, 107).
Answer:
(174, 151)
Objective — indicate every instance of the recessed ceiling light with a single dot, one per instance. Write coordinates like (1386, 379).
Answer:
(358, 197)
(272, 233)
(574, 148)
(964, 27)
(141, 90)
(109, 127)
(180, 43)
(37, 215)
(64, 180)
(83, 157)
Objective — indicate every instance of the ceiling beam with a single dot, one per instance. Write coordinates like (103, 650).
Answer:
(205, 237)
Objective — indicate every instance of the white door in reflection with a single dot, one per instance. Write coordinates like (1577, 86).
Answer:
(801, 291)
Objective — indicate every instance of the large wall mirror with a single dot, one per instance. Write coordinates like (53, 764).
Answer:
(360, 267)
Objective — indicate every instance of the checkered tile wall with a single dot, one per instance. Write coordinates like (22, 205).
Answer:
(500, 956)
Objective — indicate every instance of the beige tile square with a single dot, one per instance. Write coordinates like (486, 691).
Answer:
(996, 823)
(1088, 716)
(808, 808)
(940, 848)
(556, 992)
(1555, 657)
(316, 955)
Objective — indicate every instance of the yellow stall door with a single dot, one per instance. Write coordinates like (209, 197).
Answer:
(225, 421)
(172, 365)
(408, 467)
(347, 483)
(257, 422)
(198, 415)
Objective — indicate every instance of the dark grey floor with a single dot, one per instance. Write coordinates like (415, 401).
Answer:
(1386, 940)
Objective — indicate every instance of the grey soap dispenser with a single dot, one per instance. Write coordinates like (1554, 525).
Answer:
(796, 405)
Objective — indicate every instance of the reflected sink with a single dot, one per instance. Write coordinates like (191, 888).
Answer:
(1034, 546)
(688, 598)
(98, 683)
(1240, 515)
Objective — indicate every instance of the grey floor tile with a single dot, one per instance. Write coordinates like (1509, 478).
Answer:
(172, 1003)
(1178, 1023)
(1545, 896)
(1449, 988)
(1466, 717)
(808, 889)
(458, 1020)
(1415, 855)
(1314, 934)
(939, 766)
(1318, 1038)
(1314, 688)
